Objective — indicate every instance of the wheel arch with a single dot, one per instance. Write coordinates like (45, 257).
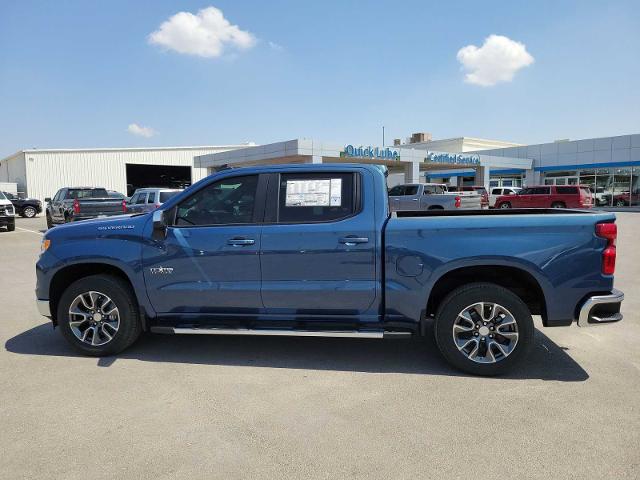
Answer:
(515, 279)
(70, 273)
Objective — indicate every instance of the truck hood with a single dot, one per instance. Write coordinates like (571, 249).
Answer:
(117, 226)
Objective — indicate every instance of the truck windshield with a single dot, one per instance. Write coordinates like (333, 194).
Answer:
(74, 193)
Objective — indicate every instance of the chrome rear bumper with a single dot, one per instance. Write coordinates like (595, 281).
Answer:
(587, 319)
(43, 307)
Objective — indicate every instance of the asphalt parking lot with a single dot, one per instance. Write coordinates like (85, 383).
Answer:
(267, 407)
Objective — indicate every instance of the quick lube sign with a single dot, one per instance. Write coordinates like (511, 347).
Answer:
(384, 153)
(453, 158)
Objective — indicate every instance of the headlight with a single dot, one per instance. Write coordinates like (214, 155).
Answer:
(44, 246)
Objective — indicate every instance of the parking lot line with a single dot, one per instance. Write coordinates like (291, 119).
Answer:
(31, 231)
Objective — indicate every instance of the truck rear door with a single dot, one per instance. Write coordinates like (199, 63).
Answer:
(319, 254)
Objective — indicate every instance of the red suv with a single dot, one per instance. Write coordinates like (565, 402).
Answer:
(545, 196)
(484, 195)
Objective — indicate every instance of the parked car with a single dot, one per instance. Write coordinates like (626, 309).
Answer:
(71, 204)
(313, 250)
(626, 199)
(147, 199)
(430, 196)
(545, 196)
(499, 191)
(7, 213)
(473, 188)
(25, 207)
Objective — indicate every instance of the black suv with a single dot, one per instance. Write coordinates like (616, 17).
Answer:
(25, 207)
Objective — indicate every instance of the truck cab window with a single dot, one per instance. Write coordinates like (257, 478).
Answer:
(229, 201)
(315, 197)
(397, 191)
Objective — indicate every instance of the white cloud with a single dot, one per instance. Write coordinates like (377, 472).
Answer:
(497, 60)
(205, 34)
(141, 131)
(275, 46)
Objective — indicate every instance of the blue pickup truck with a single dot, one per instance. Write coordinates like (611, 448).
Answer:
(313, 250)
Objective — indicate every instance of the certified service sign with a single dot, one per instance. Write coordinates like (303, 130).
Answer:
(453, 158)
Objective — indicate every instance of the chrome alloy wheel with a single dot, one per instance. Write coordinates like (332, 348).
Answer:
(94, 318)
(485, 332)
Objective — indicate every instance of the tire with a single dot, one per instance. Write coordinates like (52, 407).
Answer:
(29, 212)
(49, 221)
(558, 205)
(448, 316)
(11, 226)
(505, 205)
(119, 292)
(621, 203)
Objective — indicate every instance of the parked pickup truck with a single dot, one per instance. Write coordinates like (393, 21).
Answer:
(82, 203)
(313, 250)
(430, 196)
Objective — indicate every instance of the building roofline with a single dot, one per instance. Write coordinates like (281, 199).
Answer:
(125, 149)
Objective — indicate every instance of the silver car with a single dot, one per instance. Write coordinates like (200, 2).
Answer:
(148, 199)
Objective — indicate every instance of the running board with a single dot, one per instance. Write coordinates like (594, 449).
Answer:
(278, 332)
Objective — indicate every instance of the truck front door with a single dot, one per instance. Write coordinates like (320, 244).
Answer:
(209, 261)
(319, 252)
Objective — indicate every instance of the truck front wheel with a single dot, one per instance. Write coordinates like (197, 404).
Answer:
(483, 329)
(98, 315)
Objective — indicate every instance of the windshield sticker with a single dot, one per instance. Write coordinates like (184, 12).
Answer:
(314, 193)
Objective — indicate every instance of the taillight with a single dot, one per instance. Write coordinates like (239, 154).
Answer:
(124, 206)
(609, 231)
(76, 206)
(457, 204)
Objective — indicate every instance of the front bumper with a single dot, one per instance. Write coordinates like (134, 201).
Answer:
(600, 309)
(4, 221)
(43, 307)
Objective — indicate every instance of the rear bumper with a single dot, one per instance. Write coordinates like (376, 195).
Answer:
(600, 309)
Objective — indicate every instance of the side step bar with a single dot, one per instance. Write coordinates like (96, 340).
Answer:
(278, 332)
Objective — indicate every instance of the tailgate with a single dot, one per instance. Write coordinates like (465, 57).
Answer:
(470, 201)
(100, 206)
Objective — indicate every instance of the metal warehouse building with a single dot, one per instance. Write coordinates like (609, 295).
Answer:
(40, 173)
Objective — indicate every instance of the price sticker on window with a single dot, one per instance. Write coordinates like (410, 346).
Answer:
(314, 193)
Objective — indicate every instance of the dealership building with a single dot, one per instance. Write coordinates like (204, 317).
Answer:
(610, 165)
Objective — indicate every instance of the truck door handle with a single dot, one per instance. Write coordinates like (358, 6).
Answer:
(351, 241)
(414, 199)
(239, 242)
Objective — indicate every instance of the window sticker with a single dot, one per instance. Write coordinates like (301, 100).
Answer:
(314, 193)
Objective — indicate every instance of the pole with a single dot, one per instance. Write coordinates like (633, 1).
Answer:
(383, 135)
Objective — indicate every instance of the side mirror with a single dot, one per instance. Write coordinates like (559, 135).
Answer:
(159, 225)
(47, 199)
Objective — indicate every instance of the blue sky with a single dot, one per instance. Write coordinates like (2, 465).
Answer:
(78, 73)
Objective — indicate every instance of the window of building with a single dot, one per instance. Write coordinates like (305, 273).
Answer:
(316, 197)
(228, 201)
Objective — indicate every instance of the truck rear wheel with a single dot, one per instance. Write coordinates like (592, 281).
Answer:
(505, 205)
(98, 315)
(483, 329)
